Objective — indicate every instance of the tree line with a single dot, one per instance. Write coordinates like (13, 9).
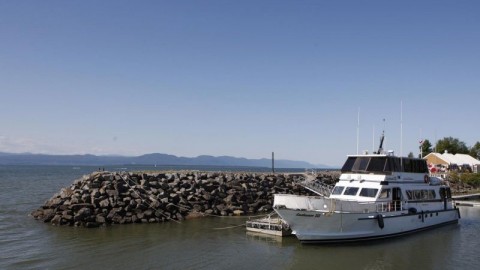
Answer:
(452, 145)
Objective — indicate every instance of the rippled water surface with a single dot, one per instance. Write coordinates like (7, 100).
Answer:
(210, 243)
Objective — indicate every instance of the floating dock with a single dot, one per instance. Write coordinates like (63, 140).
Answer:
(467, 203)
(474, 196)
(272, 226)
(472, 200)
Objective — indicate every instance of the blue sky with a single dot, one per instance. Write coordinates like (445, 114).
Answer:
(238, 78)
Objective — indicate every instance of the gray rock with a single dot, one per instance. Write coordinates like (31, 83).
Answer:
(100, 219)
(92, 225)
(104, 204)
(148, 212)
(112, 192)
(135, 219)
(37, 214)
(159, 213)
(82, 214)
(56, 220)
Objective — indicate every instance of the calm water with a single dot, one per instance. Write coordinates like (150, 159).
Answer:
(199, 244)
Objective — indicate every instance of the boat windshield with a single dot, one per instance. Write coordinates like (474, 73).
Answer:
(337, 190)
(351, 191)
(384, 164)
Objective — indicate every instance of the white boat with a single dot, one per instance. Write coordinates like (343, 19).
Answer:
(377, 196)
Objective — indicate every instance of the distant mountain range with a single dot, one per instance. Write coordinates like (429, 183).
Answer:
(148, 159)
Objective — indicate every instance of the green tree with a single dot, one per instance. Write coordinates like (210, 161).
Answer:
(426, 147)
(472, 179)
(452, 145)
(410, 155)
(475, 151)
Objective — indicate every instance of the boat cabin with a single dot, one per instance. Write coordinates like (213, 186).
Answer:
(387, 178)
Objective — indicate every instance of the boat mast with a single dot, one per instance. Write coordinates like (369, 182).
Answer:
(373, 139)
(380, 148)
(401, 134)
(358, 128)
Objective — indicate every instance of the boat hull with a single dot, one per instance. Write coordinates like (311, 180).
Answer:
(332, 227)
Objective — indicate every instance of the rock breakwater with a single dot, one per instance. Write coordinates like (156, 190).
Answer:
(103, 198)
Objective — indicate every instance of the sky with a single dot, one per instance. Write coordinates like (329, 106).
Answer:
(237, 78)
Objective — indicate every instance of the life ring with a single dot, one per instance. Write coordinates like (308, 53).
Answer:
(426, 179)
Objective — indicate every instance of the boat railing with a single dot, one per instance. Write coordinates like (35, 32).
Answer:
(368, 207)
(311, 183)
(389, 206)
(316, 203)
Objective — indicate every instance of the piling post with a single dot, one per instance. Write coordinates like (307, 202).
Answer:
(273, 162)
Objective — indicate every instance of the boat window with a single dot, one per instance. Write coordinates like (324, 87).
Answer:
(351, 191)
(394, 164)
(407, 165)
(347, 167)
(389, 165)
(377, 164)
(369, 192)
(396, 194)
(424, 167)
(442, 193)
(413, 165)
(419, 166)
(385, 194)
(360, 164)
(337, 190)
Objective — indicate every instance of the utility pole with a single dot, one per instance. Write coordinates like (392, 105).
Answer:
(273, 162)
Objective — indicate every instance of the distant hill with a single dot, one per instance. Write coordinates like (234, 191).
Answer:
(148, 159)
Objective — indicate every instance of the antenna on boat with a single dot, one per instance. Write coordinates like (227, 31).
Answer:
(421, 144)
(401, 134)
(358, 127)
(380, 148)
(373, 139)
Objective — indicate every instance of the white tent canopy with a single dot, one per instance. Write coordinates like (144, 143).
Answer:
(458, 159)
